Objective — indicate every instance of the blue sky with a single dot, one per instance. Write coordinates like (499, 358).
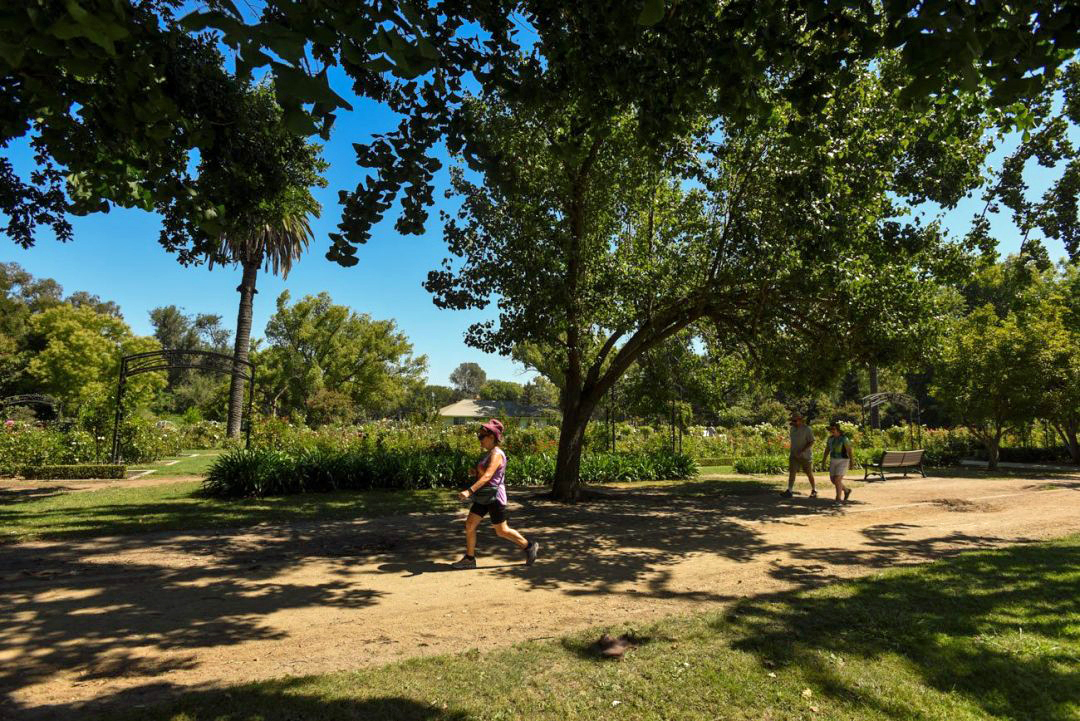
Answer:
(116, 256)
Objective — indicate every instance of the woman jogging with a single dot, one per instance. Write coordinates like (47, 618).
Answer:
(488, 492)
(838, 454)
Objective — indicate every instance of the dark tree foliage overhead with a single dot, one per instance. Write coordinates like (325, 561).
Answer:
(669, 60)
(118, 92)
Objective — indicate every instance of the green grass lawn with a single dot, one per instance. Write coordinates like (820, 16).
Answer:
(190, 463)
(987, 635)
(715, 470)
(116, 511)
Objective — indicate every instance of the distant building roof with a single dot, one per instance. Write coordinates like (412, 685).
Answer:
(470, 408)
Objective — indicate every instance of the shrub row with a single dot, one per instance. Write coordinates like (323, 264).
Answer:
(262, 472)
(775, 464)
(27, 444)
(71, 472)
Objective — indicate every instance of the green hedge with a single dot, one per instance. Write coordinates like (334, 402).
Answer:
(777, 464)
(262, 472)
(71, 472)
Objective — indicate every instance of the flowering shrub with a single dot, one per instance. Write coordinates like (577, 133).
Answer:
(24, 443)
(202, 434)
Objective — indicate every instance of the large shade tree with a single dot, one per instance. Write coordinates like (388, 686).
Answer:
(115, 94)
(779, 231)
(669, 59)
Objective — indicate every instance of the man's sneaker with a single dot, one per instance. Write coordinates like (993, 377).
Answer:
(787, 494)
(847, 492)
(813, 493)
(464, 563)
(530, 552)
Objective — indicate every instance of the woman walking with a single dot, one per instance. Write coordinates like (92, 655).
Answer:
(838, 454)
(488, 492)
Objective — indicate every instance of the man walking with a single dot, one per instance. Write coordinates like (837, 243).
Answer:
(802, 454)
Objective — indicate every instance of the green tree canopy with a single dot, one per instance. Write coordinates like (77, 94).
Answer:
(787, 242)
(327, 362)
(989, 376)
(468, 378)
(665, 61)
(495, 390)
(79, 359)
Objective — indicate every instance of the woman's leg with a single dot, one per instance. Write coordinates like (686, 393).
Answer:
(472, 522)
(503, 530)
(838, 481)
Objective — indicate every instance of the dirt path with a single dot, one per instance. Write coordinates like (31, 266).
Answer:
(128, 620)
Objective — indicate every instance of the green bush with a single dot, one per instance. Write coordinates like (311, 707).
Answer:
(202, 434)
(765, 465)
(265, 472)
(143, 440)
(28, 444)
(71, 472)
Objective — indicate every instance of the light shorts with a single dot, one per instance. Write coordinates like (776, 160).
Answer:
(838, 466)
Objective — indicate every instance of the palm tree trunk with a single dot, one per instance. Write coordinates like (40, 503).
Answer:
(241, 347)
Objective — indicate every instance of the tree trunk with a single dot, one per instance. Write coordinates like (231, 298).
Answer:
(566, 486)
(1068, 435)
(875, 412)
(992, 444)
(241, 347)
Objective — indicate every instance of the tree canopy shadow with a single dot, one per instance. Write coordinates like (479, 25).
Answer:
(71, 607)
(290, 699)
(960, 624)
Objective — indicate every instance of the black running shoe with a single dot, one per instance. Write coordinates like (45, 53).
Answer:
(787, 494)
(813, 494)
(530, 552)
(464, 563)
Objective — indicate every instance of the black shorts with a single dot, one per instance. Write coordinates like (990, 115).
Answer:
(497, 510)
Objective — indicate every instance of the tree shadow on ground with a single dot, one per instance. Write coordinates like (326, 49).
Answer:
(969, 626)
(150, 603)
(21, 495)
(288, 699)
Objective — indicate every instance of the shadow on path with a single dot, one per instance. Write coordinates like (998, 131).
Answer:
(67, 607)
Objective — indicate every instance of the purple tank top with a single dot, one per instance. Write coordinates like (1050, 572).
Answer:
(499, 479)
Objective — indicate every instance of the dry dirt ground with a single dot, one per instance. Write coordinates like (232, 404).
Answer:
(126, 621)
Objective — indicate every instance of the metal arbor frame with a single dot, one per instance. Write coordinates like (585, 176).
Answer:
(33, 399)
(165, 360)
(875, 400)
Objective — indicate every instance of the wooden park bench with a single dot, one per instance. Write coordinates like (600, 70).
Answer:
(896, 461)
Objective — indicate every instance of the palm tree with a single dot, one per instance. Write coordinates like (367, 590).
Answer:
(275, 244)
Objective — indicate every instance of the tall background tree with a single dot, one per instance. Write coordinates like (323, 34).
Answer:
(326, 363)
(468, 379)
(197, 394)
(267, 172)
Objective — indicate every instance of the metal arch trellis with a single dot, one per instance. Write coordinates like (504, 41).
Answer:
(165, 360)
(875, 400)
(33, 399)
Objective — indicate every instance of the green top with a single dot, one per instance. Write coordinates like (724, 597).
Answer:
(836, 446)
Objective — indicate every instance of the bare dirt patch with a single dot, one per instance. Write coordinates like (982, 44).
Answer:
(962, 505)
(126, 620)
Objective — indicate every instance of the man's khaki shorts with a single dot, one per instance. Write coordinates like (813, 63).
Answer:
(796, 464)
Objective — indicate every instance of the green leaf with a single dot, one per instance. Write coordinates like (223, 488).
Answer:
(299, 86)
(652, 13)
